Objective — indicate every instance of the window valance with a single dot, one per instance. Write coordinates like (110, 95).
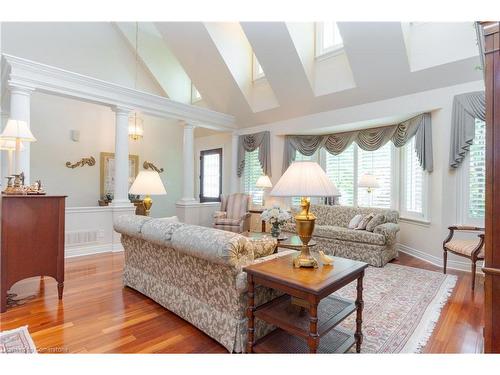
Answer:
(368, 139)
(249, 142)
(466, 108)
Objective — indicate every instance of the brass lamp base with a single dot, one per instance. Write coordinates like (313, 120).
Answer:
(305, 226)
(147, 202)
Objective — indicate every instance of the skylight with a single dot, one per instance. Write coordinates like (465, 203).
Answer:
(328, 38)
(195, 94)
(258, 72)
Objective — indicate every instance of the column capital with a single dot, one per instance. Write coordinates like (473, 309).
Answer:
(122, 110)
(20, 88)
(188, 126)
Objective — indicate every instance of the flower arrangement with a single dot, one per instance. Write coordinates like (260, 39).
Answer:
(277, 217)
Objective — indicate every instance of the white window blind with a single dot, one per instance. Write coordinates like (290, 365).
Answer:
(340, 170)
(251, 174)
(477, 172)
(412, 187)
(377, 163)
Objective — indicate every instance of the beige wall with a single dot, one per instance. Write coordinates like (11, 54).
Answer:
(52, 119)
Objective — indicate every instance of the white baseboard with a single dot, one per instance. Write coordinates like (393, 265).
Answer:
(438, 261)
(78, 251)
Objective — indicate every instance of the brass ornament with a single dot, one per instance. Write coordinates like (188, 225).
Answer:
(150, 165)
(84, 161)
(305, 221)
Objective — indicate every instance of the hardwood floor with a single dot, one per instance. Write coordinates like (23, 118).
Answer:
(98, 315)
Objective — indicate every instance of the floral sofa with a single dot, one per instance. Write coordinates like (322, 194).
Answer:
(333, 236)
(195, 272)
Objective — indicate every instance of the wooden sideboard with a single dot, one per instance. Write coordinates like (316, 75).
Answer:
(32, 240)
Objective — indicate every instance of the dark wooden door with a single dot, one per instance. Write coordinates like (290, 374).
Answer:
(492, 217)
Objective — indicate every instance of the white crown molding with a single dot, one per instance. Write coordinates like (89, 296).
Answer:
(18, 71)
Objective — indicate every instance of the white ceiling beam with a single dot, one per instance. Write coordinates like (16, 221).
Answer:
(56, 81)
(276, 52)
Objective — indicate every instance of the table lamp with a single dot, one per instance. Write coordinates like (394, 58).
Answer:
(10, 147)
(304, 179)
(265, 183)
(18, 131)
(148, 183)
(369, 182)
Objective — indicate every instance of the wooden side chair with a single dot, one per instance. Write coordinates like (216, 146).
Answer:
(469, 248)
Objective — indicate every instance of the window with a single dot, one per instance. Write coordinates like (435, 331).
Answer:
(328, 38)
(379, 164)
(340, 170)
(413, 183)
(251, 174)
(195, 94)
(211, 175)
(258, 72)
(477, 173)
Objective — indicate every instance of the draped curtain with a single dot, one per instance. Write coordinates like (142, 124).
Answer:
(249, 142)
(368, 139)
(466, 108)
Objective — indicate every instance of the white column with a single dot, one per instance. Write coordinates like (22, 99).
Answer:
(20, 101)
(188, 163)
(121, 157)
(235, 180)
(5, 154)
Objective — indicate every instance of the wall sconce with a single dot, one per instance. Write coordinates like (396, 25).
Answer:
(84, 161)
(149, 165)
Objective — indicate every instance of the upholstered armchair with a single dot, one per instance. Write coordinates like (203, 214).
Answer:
(233, 215)
(472, 249)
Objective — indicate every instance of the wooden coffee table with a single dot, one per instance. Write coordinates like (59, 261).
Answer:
(307, 316)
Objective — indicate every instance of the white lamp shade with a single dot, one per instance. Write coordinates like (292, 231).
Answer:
(9, 145)
(304, 179)
(17, 129)
(264, 182)
(148, 183)
(368, 181)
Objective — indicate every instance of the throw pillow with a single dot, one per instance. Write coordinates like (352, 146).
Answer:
(363, 223)
(376, 221)
(260, 247)
(355, 221)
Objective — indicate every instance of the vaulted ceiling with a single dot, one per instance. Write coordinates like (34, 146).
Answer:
(379, 60)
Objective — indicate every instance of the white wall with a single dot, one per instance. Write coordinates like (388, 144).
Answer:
(53, 117)
(421, 240)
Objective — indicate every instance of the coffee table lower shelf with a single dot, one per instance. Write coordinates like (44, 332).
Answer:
(338, 340)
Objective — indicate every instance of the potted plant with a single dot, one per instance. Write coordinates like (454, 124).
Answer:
(277, 217)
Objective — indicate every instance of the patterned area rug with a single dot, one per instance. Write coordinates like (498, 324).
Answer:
(17, 341)
(402, 307)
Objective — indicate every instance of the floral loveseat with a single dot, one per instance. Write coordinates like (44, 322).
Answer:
(333, 236)
(195, 272)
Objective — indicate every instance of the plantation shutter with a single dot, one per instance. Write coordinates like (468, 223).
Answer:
(477, 172)
(413, 179)
(251, 174)
(377, 163)
(340, 170)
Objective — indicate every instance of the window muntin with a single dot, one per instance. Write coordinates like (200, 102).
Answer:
(340, 170)
(251, 174)
(379, 164)
(328, 38)
(477, 172)
(211, 175)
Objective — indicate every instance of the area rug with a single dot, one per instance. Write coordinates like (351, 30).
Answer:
(401, 307)
(17, 341)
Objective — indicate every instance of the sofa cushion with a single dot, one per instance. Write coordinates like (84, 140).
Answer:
(363, 223)
(345, 234)
(130, 224)
(159, 231)
(355, 221)
(214, 245)
(341, 215)
(376, 221)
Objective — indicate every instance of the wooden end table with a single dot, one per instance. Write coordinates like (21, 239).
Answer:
(307, 315)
